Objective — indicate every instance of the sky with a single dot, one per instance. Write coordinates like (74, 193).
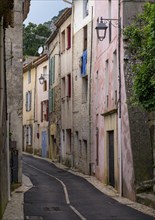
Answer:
(43, 10)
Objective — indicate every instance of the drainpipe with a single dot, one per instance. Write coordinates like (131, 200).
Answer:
(119, 100)
(90, 87)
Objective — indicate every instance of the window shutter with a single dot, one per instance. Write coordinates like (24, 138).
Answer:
(26, 104)
(69, 37)
(41, 111)
(30, 100)
(51, 72)
(53, 69)
(69, 85)
(29, 134)
(52, 99)
(47, 110)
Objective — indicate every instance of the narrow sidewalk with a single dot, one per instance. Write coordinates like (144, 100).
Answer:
(14, 209)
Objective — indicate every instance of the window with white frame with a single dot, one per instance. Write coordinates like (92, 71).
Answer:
(28, 101)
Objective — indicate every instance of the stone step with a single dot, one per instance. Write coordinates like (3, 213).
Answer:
(147, 199)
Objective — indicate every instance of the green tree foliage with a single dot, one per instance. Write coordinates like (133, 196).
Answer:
(34, 37)
(141, 38)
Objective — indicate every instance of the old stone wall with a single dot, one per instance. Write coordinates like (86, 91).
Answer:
(14, 55)
(138, 119)
(81, 126)
(3, 129)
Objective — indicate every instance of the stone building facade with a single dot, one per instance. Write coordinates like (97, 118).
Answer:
(121, 146)
(82, 70)
(35, 107)
(53, 44)
(11, 63)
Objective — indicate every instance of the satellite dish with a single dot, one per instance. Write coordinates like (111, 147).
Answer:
(40, 50)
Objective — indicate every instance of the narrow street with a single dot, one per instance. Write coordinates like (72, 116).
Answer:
(59, 195)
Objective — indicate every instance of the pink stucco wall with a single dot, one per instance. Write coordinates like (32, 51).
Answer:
(103, 51)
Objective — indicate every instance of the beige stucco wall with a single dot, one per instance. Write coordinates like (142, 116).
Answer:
(40, 96)
(66, 102)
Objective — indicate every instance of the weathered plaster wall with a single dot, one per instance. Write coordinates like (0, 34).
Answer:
(3, 130)
(40, 95)
(14, 55)
(66, 101)
(81, 109)
(105, 94)
(55, 116)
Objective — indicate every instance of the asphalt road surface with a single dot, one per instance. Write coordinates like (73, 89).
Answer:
(59, 195)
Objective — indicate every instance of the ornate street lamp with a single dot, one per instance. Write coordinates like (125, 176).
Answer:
(41, 79)
(101, 29)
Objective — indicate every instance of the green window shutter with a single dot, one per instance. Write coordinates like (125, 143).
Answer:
(52, 94)
(53, 68)
(51, 72)
(51, 100)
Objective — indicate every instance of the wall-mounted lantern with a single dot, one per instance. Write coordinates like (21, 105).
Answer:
(41, 79)
(101, 27)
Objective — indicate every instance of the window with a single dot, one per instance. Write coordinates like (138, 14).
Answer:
(29, 135)
(85, 8)
(63, 87)
(84, 63)
(44, 110)
(29, 76)
(52, 70)
(85, 149)
(69, 85)
(45, 85)
(28, 101)
(69, 37)
(63, 41)
(44, 70)
(84, 89)
(85, 38)
(51, 100)
(68, 140)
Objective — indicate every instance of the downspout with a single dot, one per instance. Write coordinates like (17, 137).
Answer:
(90, 87)
(72, 86)
(49, 120)
(119, 100)
(59, 124)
